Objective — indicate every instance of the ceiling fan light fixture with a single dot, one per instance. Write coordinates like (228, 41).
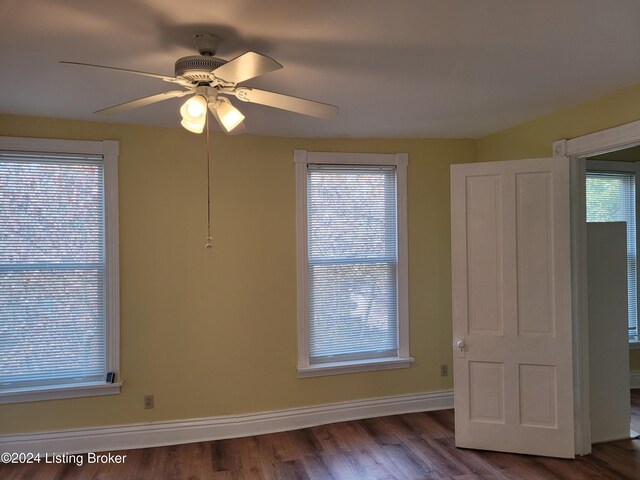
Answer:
(193, 127)
(227, 115)
(194, 113)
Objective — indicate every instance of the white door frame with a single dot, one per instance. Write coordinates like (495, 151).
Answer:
(577, 149)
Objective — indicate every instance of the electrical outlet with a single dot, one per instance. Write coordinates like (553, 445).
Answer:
(148, 401)
(444, 370)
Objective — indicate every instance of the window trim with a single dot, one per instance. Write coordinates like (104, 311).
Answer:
(109, 150)
(631, 167)
(302, 159)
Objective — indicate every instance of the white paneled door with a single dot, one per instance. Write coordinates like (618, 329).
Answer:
(511, 273)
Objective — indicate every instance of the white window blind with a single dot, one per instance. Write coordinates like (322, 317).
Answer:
(352, 263)
(52, 269)
(611, 197)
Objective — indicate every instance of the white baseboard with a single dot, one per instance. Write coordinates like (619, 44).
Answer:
(142, 435)
(635, 378)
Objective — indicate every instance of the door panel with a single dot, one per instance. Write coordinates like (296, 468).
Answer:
(483, 211)
(483, 250)
(538, 393)
(535, 260)
(486, 392)
(511, 277)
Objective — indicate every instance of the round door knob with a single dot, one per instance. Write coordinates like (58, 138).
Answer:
(460, 344)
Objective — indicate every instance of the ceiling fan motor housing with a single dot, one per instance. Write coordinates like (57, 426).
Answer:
(197, 68)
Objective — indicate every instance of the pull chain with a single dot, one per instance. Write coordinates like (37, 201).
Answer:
(209, 243)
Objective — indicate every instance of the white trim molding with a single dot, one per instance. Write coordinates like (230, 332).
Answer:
(634, 378)
(50, 145)
(354, 366)
(174, 432)
(302, 159)
(57, 392)
(579, 307)
(597, 143)
(110, 154)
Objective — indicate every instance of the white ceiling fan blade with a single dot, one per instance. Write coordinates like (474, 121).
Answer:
(134, 72)
(286, 102)
(246, 66)
(141, 102)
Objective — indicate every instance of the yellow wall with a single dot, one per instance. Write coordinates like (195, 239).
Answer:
(534, 139)
(213, 332)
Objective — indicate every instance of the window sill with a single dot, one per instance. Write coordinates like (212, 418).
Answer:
(635, 345)
(35, 394)
(354, 366)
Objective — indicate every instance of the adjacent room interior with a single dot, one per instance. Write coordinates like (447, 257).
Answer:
(233, 245)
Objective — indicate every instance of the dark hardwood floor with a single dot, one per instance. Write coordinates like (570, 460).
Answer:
(412, 446)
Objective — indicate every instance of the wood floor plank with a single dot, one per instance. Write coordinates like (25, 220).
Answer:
(316, 469)
(400, 447)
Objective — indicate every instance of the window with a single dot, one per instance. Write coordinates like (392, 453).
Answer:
(352, 262)
(611, 197)
(58, 268)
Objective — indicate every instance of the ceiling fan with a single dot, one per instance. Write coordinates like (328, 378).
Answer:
(210, 80)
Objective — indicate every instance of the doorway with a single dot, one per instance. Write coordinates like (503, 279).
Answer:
(611, 197)
(615, 144)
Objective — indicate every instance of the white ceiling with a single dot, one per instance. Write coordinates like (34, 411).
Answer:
(404, 68)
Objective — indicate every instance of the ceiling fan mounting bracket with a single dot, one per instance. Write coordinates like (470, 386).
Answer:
(210, 93)
(206, 44)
